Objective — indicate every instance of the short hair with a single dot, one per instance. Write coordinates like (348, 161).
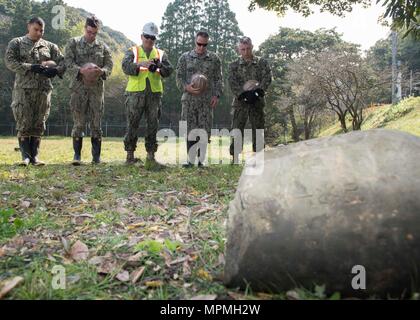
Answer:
(38, 21)
(203, 34)
(92, 22)
(245, 40)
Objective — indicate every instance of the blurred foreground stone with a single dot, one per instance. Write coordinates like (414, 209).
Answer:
(324, 206)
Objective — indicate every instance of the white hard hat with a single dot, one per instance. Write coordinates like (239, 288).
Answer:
(151, 29)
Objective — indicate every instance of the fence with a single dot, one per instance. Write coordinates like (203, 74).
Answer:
(109, 130)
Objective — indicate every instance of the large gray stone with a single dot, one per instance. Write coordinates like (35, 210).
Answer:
(324, 206)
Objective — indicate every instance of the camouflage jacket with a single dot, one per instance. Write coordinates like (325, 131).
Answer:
(78, 52)
(241, 71)
(22, 52)
(130, 68)
(208, 64)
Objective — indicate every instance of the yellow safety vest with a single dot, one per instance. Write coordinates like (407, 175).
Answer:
(138, 83)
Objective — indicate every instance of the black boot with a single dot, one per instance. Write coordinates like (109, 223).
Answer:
(25, 150)
(77, 147)
(202, 151)
(191, 159)
(35, 143)
(96, 150)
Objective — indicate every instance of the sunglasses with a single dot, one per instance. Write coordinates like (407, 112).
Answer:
(202, 44)
(153, 38)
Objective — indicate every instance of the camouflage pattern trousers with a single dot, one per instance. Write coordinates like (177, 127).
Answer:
(256, 116)
(87, 105)
(31, 108)
(138, 104)
(198, 114)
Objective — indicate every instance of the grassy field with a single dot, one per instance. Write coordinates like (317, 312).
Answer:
(121, 232)
(116, 231)
(149, 235)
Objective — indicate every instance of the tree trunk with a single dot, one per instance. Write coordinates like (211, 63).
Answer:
(295, 131)
(343, 124)
(357, 121)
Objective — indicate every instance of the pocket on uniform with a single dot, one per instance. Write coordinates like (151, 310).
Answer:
(74, 101)
(44, 55)
(99, 59)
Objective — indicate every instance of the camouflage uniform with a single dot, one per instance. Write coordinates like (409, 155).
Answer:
(196, 110)
(32, 91)
(144, 102)
(87, 102)
(240, 72)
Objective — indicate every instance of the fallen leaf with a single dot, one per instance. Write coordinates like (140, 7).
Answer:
(237, 296)
(79, 251)
(73, 279)
(172, 201)
(203, 274)
(51, 258)
(2, 252)
(122, 210)
(180, 260)
(186, 270)
(25, 204)
(66, 245)
(292, 295)
(135, 275)
(135, 226)
(157, 268)
(96, 261)
(264, 296)
(209, 297)
(136, 258)
(108, 267)
(123, 276)
(221, 259)
(154, 284)
(9, 285)
(202, 211)
(159, 209)
(6, 193)
(185, 211)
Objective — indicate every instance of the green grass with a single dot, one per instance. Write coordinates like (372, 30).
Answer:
(169, 224)
(117, 211)
(403, 117)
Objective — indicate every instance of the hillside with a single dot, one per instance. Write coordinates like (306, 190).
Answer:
(404, 117)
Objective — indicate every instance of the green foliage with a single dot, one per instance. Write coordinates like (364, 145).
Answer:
(8, 226)
(153, 247)
(281, 50)
(405, 14)
(379, 57)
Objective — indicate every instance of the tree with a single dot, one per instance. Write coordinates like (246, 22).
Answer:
(281, 50)
(307, 100)
(379, 57)
(404, 14)
(344, 79)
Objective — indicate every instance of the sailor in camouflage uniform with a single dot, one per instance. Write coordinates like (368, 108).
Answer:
(31, 103)
(248, 68)
(197, 107)
(87, 101)
(146, 66)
